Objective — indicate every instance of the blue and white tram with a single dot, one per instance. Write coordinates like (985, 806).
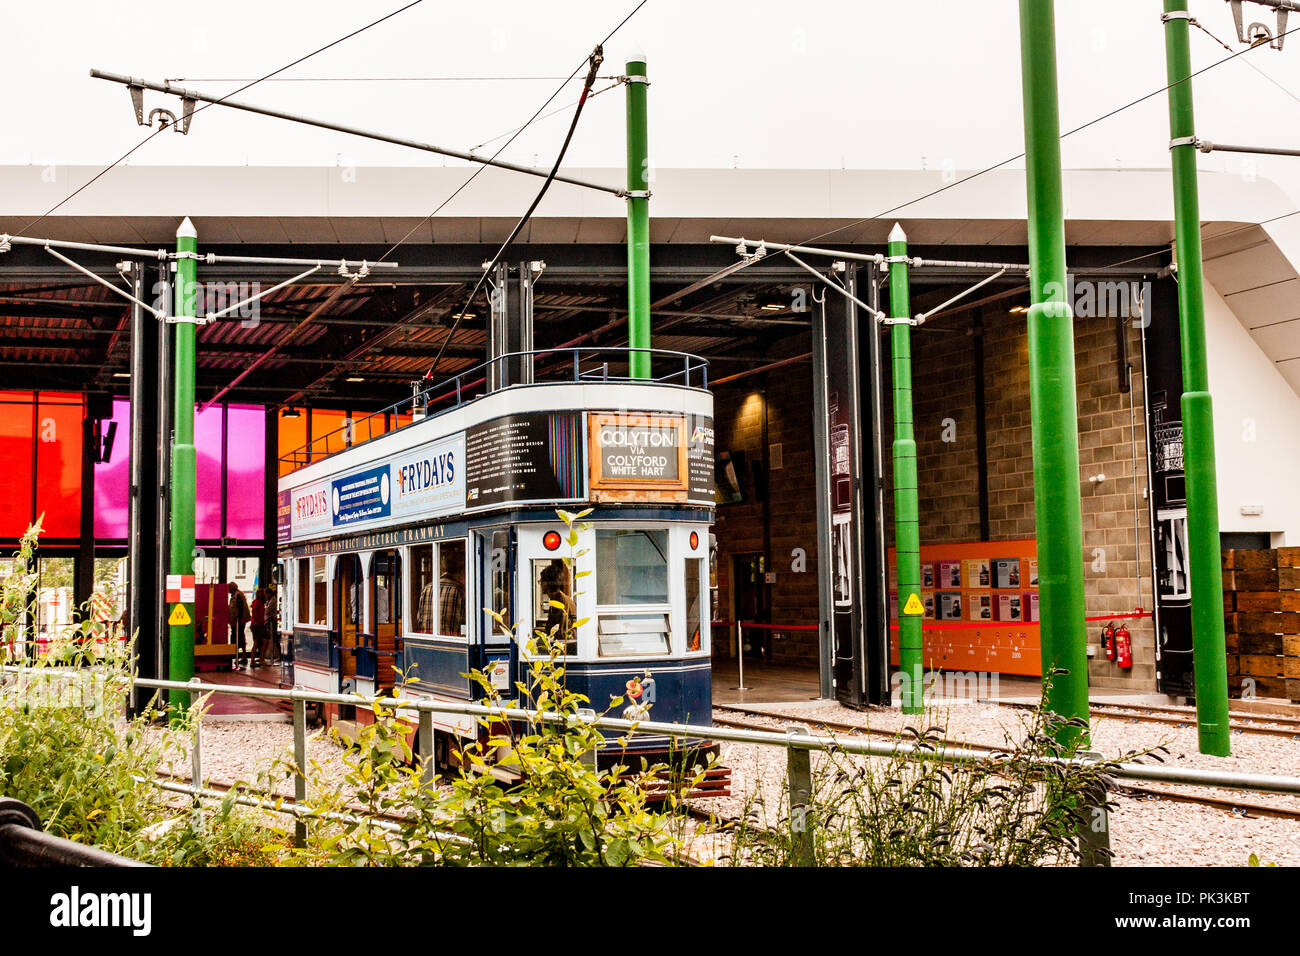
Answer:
(393, 549)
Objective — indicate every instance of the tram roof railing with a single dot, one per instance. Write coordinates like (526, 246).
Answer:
(597, 364)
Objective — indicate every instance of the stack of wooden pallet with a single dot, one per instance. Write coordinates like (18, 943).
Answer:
(1261, 604)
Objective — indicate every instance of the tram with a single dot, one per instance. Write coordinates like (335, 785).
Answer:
(395, 546)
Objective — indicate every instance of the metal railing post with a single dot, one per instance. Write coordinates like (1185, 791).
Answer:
(196, 749)
(799, 771)
(1094, 832)
(740, 654)
(300, 761)
(426, 747)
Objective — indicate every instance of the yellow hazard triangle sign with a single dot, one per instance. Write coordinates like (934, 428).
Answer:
(180, 617)
(914, 606)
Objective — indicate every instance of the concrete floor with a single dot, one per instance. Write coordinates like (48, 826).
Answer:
(244, 708)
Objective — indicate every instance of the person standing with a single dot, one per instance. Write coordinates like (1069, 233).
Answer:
(237, 613)
(273, 621)
(260, 637)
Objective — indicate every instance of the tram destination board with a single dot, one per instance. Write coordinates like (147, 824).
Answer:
(651, 456)
(525, 457)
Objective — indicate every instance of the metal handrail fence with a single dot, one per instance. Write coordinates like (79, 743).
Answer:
(587, 365)
(798, 741)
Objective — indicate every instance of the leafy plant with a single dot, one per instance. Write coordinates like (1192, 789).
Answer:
(67, 751)
(1013, 809)
(530, 794)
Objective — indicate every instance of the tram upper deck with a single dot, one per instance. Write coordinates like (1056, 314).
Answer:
(394, 550)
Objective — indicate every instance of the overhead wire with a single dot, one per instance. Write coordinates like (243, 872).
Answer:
(504, 146)
(246, 86)
(595, 60)
(1011, 159)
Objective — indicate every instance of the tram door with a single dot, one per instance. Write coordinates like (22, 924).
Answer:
(386, 578)
(495, 561)
(347, 612)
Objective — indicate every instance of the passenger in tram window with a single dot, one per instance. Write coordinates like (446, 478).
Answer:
(451, 600)
(553, 583)
(237, 613)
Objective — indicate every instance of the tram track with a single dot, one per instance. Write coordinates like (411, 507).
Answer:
(1238, 808)
(1240, 723)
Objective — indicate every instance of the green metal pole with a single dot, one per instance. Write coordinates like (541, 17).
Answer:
(907, 533)
(1053, 403)
(181, 656)
(638, 221)
(1208, 653)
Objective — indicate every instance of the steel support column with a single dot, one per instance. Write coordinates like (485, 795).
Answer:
(907, 533)
(638, 221)
(1203, 548)
(1053, 402)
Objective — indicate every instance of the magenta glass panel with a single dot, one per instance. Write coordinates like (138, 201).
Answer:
(113, 477)
(207, 499)
(246, 472)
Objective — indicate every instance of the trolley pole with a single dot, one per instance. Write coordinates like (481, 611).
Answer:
(1208, 652)
(638, 221)
(907, 534)
(1053, 403)
(181, 656)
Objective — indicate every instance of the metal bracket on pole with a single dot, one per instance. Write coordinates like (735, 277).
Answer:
(637, 193)
(922, 316)
(1177, 15)
(874, 313)
(634, 79)
(213, 316)
(1185, 141)
(156, 313)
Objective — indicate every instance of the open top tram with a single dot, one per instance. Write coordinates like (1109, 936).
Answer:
(395, 545)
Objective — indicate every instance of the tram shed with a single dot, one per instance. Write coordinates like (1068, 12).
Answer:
(318, 355)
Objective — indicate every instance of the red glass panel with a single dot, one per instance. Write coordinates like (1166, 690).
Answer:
(58, 464)
(16, 463)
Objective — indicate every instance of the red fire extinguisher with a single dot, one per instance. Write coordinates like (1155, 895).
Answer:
(1108, 640)
(1123, 647)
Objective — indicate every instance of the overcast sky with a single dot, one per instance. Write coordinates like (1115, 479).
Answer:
(869, 84)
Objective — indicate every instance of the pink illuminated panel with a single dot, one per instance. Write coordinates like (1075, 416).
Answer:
(113, 477)
(245, 472)
(207, 498)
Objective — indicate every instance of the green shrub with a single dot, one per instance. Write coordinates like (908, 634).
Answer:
(67, 751)
(1010, 810)
(560, 809)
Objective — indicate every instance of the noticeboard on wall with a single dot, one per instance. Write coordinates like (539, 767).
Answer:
(982, 614)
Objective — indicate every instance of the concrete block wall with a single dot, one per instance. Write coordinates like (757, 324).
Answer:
(1116, 555)
(738, 417)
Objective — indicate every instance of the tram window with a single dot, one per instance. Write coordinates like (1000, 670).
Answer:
(499, 559)
(422, 589)
(311, 591)
(631, 566)
(553, 584)
(693, 566)
(451, 589)
(633, 635)
(385, 573)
